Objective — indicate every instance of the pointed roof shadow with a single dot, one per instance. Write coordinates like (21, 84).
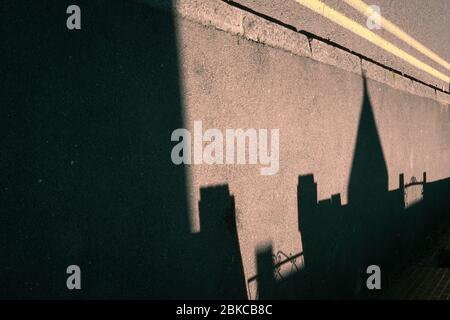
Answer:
(369, 175)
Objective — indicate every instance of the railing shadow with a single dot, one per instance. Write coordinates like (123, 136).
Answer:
(376, 227)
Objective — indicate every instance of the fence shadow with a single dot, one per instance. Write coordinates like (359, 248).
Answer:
(85, 119)
(376, 227)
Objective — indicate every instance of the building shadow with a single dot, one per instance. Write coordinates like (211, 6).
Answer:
(86, 119)
(376, 227)
(214, 256)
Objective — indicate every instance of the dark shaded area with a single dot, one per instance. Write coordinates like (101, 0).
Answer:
(86, 118)
(374, 228)
(87, 178)
(217, 270)
(265, 268)
(444, 259)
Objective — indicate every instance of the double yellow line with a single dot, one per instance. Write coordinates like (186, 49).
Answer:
(340, 19)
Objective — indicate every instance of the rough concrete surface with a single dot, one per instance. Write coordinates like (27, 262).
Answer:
(223, 16)
(89, 178)
(426, 21)
(233, 83)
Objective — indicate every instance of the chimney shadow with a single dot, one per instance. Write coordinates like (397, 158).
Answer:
(214, 254)
(87, 177)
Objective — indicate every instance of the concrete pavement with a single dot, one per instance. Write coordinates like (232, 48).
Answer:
(427, 22)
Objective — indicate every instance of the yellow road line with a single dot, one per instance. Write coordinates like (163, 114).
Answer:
(396, 31)
(347, 23)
